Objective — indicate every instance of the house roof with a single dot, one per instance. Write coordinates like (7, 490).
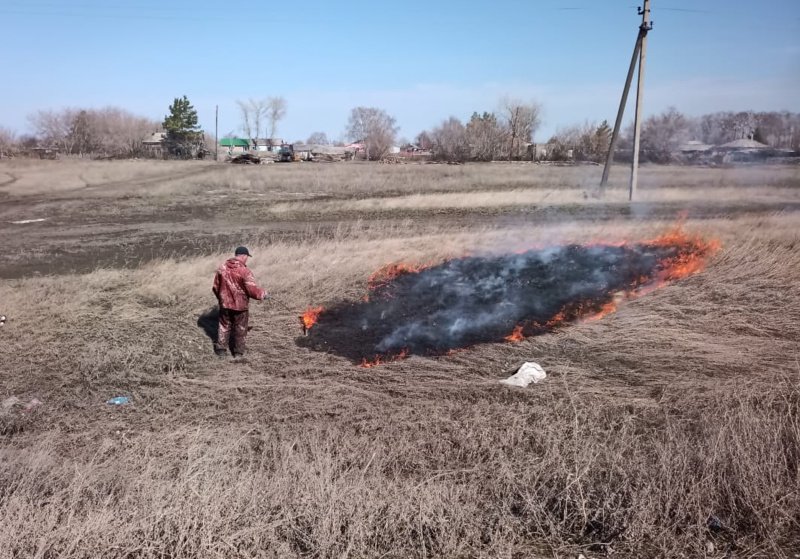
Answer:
(694, 145)
(155, 138)
(234, 142)
(744, 143)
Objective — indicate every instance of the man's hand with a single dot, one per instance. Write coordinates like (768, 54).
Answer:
(264, 298)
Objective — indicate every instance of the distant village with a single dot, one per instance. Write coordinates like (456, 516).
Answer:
(243, 150)
(722, 138)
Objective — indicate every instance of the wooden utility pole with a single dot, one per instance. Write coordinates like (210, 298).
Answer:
(638, 51)
(216, 132)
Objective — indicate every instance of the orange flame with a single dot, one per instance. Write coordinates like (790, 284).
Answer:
(310, 317)
(605, 310)
(516, 335)
(382, 359)
(387, 273)
(560, 317)
(692, 255)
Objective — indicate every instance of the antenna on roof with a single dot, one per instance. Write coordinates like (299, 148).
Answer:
(639, 50)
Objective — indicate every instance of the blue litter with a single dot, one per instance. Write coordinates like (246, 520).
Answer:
(119, 400)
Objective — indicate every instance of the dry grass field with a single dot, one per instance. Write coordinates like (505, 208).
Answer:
(670, 428)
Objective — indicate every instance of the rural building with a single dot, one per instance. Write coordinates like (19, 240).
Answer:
(742, 144)
(153, 145)
(267, 144)
(745, 151)
(47, 152)
(693, 151)
(235, 145)
(693, 147)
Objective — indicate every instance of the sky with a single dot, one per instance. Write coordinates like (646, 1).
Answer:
(421, 62)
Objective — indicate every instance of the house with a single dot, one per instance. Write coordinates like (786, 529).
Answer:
(267, 144)
(744, 150)
(694, 147)
(694, 151)
(235, 145)
(153, 145)
(48, 152)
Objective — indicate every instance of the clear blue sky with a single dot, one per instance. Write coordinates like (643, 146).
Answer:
(420, 61)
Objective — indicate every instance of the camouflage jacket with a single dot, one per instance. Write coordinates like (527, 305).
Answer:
(234, 286)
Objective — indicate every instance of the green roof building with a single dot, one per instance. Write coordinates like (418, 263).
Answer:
(234, 143)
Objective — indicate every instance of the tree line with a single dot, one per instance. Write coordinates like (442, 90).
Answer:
(504, 134)
(663, 134)
(487, 136)
(109, 132)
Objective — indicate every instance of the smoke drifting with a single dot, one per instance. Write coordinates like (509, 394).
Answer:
(474, 300)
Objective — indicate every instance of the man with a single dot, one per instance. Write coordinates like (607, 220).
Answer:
(234, 286)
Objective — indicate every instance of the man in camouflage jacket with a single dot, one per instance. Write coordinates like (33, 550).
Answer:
(234, 286)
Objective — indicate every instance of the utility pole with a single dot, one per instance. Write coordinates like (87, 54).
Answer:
(216, 132)
(638, 51)
(637, 122)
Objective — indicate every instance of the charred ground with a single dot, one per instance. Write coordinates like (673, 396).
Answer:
(473, 300)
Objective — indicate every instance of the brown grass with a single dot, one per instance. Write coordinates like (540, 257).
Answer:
(668, 426)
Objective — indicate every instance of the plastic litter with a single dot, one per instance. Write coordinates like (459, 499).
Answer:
(119, 401)
(529, 372)
(13, 404)
(32, 405)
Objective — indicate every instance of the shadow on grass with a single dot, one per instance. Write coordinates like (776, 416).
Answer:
(209, 322)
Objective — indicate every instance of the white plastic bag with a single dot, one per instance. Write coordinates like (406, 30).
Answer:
(529, 372)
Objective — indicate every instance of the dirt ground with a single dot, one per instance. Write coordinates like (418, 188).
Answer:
(92, 219)
(669, 428)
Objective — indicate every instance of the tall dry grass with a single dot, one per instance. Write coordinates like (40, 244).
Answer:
(151, 178)
(671, 428)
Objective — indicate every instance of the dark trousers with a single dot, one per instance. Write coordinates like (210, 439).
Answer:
(232, 332)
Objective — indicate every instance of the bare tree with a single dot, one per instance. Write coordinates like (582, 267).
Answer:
(118, 132)
(54, 127)
(254, 112)
(521, 121)
(586, 142)
(8, 142)
(276, 110)
(485, 136)
(107, 131)
(450, 141)
(318, 138)
(82, 133)
(375, 128)
(423, 140)
(662, 134)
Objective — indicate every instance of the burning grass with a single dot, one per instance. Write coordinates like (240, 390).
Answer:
(430, 309)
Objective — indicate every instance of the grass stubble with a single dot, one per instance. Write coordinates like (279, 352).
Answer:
(670, 428)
